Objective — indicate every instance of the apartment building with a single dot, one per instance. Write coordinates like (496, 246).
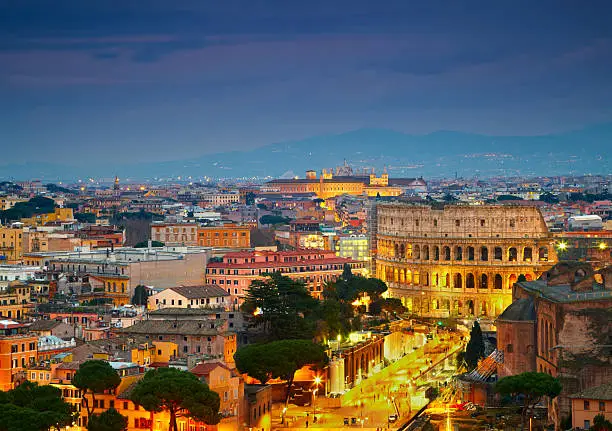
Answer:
(237, 270)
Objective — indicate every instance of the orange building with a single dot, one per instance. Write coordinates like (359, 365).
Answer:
(11, 244)
(229, 236)
(590, 403)
(313, 267)
(18, 349)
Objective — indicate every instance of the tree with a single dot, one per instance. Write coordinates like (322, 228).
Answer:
(387, 305)
(110, 420)
(140, 295)
(475, 348)
(85, 217)
(180, 393)
(249, 198)
(95, 376)
(33, 407)
(279, 359)
(282, 307)
(549, 198)
(273, 219)
(533, 386)
(600, 423)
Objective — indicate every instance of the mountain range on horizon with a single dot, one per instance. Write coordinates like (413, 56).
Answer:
(437, 154)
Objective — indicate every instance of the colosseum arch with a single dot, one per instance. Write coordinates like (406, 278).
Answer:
(396, 250)
(447, 280)
(415, 277)
(470, 253)
(435, 279)
(416, 252)
(497, 253)
(543, 254)
(512, 279)
(425, 278)
(470, 307)
(469, 281)
(458, 282)
(484, 281)
(425, 252)
(446, 253)
(402, 250)
(408, 278)
(484, 253)
(458, 253)
(436, 253)
(512, 254)
(498, 282)
(527, 254)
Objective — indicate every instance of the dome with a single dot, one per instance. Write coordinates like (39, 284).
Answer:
(520, 310)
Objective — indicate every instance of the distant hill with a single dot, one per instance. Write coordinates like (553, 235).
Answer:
(442, 153)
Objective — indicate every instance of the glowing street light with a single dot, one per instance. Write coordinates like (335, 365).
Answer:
(562, 246)
(602, 245)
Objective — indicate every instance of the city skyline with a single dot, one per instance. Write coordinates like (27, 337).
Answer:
(122, 83)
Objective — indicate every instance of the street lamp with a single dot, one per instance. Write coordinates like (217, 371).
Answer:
(317, 382)
(562, 246)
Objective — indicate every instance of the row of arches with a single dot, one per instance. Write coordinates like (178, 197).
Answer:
(427, 306)
(457, 280)
(401, 250)
(546, 338)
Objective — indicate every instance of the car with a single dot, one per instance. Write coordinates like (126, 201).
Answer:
(392, 418)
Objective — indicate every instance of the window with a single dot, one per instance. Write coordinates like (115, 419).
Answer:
(587, 405)
(509, 348)
(457, 223)
(602, 406)
(587, 425)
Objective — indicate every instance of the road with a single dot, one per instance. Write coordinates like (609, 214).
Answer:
(398, 388)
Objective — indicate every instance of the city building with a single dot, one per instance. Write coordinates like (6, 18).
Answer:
(330, 184)
(459, 260)
(228, 383)
(15, 300)
(225, 235)
(175, 233)
(237, 270)
(590, 403)
(259, 407)
(115, 273)
(585, 222)
(11, 243)
(192, 337)
(353, 246)
(18, 350)
(560, 325)
(209, 296)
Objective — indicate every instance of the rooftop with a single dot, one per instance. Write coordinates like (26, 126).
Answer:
(520, 310)
(603, 392)
(564, 292)
(196, 292)
(172, 327)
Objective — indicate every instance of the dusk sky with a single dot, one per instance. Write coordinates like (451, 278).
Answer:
(155, 80)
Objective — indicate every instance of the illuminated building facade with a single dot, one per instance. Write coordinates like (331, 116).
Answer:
(313, 267)
(329, 185)
(459, 260)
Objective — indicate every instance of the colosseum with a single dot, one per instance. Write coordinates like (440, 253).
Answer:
(460, 260)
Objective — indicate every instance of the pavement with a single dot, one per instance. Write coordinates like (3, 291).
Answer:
(369, 404)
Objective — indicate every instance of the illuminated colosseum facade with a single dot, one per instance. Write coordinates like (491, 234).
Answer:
(459, 261)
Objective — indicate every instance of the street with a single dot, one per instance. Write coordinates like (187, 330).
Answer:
(398, 389)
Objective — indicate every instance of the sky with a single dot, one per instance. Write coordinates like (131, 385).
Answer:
(138, 81)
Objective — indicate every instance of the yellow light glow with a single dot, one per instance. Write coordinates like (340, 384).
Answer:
(562, 246)
(339, 337)
(317, 380)
(602, 245)
(257, 311)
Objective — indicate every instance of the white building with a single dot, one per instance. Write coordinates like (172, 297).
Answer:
(585, 222)
(207, 296)
(10, 273)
